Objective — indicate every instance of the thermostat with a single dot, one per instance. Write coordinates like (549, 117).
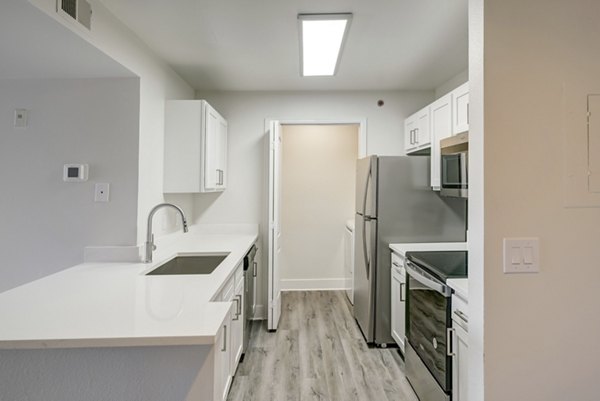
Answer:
(75, 172)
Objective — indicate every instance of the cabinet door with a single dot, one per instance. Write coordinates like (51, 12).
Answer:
(441, 127)
(459, 363)
(211, 153)
(422, 133)
(410, 126)
(460, 110)
(222, 361)
(237, 326)
(222, 154)
(398, 308)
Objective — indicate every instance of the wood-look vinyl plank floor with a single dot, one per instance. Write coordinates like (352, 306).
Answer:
(317, 354)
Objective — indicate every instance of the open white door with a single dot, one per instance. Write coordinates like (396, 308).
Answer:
(274, 295)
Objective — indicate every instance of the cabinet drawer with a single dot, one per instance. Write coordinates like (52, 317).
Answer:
(398, 263)
(460, 312)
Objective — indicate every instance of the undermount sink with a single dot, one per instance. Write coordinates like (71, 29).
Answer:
(193, 264)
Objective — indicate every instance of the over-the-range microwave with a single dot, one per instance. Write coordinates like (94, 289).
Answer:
(455, 166)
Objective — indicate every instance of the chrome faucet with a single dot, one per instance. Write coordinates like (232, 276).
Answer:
(150, 236)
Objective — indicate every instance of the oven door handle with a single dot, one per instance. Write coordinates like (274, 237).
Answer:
(426, 281)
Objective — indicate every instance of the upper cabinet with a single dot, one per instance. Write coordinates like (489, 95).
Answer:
(460, 109)
(423, 131)
(441, 127)
(195, 148)
(416, 131)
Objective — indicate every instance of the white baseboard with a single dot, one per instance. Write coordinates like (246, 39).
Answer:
(313, 284)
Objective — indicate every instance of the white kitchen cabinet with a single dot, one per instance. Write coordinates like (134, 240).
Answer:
(441, 127)
(349, 263)
(237, 322)
(233, 341)
(195, 158)
(222, 361)
(460, 349)
(398, 318)
(460, 109)
(417, 135)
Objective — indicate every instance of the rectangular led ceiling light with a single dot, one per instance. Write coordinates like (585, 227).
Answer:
(322, 38)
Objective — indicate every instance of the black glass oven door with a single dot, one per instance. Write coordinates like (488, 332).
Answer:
(427, 323)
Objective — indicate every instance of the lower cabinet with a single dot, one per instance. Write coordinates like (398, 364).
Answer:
(460, 345)
(222, 358)
(398, 301)
(230, 338)
(237, 326)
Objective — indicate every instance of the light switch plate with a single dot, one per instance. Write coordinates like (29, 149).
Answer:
(521, 255)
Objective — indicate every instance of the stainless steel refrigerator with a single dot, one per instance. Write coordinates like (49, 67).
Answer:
(394, 204)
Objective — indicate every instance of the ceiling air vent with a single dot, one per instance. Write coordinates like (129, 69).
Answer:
(79, 10)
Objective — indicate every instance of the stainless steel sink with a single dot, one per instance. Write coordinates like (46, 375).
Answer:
(193, 264)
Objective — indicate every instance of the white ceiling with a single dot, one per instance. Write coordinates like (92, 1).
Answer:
(253, 45)
(35, 46)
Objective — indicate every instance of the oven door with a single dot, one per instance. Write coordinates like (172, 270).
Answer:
(428, 321)
(454, 174)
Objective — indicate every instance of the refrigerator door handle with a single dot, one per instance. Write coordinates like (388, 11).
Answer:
(366, 192)
(365, 252)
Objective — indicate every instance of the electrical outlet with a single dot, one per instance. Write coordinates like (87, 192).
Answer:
(21, 118)
(101, 192)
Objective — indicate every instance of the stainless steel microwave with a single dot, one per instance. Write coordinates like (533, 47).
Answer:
(455, 166)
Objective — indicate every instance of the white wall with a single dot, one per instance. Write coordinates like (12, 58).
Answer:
(157, 83)
(452, 84)
(245, 199)
(45, 222)
(540, 61)
(318, 182)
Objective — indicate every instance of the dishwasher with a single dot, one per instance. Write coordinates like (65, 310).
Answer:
(250, 267)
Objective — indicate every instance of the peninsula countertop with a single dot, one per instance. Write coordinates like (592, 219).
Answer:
(116, 304)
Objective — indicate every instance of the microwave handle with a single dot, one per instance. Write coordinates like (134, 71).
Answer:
(426, 281)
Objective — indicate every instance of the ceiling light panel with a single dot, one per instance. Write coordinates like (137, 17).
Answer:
(322, 38)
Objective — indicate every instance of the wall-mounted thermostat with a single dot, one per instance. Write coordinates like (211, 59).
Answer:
(75, 172)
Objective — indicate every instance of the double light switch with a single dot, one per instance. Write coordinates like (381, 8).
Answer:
(521, 255)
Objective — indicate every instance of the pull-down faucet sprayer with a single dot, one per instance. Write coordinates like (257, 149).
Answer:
(150, 236)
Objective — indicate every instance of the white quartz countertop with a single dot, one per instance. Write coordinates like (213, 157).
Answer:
(460, 287)
(401, 249)
(116, 304)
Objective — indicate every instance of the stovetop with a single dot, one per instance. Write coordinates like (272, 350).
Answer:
(442, 264)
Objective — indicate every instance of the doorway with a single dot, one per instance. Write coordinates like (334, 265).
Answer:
(311, 197)
(318, 188)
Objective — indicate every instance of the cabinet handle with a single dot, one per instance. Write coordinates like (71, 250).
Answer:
(450, 342)
(461, 316)
(237, 307)
(222, 177)
(416, 135)
(224, 348)
(412, 137)
(254, 270)
(467, 113)
(402, 297)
